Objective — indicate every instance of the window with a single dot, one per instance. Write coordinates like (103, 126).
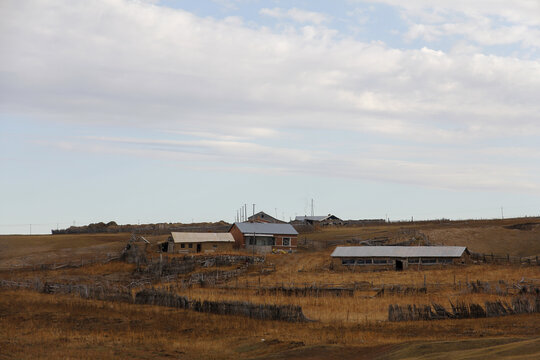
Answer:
(360, 262)
(413, 261)
(445, 260)
(190, 245)
(379, 261)
(182, 245)
(347, 261)
(367, 261)
(429, 261)
(215, 246)
(286, 241)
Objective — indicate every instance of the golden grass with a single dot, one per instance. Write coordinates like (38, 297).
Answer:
(18, 250)
(51, 327)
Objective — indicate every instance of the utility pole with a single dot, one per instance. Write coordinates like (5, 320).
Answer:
(502, 213)
(245, 212)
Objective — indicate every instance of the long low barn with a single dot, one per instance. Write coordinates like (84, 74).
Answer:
(187, 242)
(397, 257)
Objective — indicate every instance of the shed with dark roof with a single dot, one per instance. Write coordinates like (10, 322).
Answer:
(319, 220)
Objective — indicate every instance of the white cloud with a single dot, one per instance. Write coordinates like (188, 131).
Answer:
(240, 89)
(379, 164)
(486, 22)
(294, 14)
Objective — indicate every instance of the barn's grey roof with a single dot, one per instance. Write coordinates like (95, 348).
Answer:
(190, 237)
(398, 251)
(266, 228)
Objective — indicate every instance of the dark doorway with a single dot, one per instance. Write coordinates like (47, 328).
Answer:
(399, 265)
(198, 247)
(164, 247)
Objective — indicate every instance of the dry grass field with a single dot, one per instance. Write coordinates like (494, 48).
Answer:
(51, 327)
(35, 325)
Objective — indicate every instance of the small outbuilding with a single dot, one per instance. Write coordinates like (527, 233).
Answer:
(319, 220)
(397, 257)
(190, 242)
(264, 237)
(261, 216)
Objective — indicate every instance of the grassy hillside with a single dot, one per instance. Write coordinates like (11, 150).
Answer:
(38, 249)
(69, 327)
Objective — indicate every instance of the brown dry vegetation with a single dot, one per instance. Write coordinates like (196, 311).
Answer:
(345, 327)
(18, 250)
(53, 327)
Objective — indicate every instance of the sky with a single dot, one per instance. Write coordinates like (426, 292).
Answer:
(183, 111)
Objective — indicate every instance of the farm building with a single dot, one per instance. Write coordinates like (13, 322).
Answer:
(189, 242)
(319, 220)
(397, 257)
(264, 237)
(261, 216)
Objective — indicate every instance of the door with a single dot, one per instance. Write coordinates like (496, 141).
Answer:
(399, 265)
(198, 247)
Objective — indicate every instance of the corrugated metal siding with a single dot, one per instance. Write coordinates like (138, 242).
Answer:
(398, 251)
(266, 228)
(187, 237)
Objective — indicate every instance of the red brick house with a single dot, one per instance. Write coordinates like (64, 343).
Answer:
(264, 237)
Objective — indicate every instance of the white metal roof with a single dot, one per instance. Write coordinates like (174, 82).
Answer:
(398, 251)
(266, 228)
(190, 237)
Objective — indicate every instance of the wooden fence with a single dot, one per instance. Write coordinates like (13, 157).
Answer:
(290, 313)
(520, 305)
(161, 297)
(505, 259)
(104, 259)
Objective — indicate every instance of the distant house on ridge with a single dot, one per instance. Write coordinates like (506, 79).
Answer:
(320, 220)
(261, 216)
